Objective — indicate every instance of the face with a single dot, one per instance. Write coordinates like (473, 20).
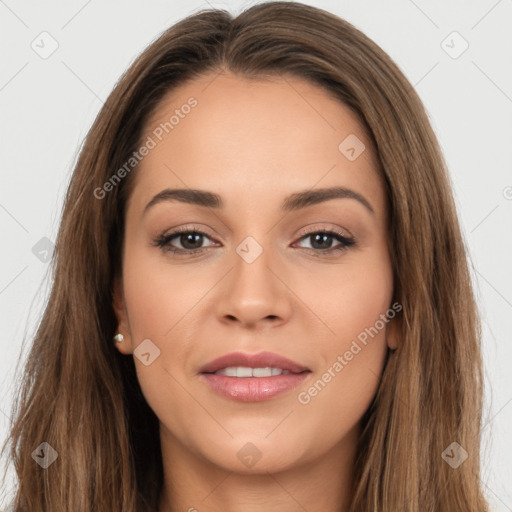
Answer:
(265, 266)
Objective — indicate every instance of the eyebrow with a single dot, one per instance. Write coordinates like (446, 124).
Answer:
(293, 202)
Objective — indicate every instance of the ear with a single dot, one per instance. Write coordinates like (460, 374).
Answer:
(123, 326)
(393, 331)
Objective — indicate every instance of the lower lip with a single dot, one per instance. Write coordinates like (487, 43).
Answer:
(253, 389)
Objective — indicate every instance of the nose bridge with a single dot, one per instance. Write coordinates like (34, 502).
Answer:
(253, 291)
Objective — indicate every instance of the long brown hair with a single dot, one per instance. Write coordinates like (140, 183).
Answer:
(82, 397)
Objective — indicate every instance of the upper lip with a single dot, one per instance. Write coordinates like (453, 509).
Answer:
(260, 360)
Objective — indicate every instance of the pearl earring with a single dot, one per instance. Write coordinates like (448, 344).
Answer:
(118, 338)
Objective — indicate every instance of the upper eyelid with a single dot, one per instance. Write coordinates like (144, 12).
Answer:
(309, 231)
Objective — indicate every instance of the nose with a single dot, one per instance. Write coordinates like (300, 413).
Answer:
(254, 294)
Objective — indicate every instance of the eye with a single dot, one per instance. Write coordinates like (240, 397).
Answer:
(321, 241)
(190, 239)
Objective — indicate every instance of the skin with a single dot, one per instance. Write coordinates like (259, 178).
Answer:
(254, 143)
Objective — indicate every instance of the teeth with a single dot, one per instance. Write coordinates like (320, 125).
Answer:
(243, 371)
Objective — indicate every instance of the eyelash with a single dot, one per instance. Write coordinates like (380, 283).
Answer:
(163, 241)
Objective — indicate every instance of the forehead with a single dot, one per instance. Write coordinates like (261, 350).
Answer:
(256, 138)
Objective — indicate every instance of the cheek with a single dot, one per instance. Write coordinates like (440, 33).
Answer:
(350, 298)
(353, 356)
(158, 294)
(353, 348)
(160, 299)
(336, 400)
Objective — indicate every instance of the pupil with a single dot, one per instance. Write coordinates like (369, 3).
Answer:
(323, 237)
(190, 236)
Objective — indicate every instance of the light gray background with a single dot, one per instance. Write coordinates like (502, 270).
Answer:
(47, 106)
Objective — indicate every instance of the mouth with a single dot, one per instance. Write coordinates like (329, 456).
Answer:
(245, 372)
(253, 377)
(261, 362)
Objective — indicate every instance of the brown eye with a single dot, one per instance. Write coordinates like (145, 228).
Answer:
(322, 241)
(188, 240)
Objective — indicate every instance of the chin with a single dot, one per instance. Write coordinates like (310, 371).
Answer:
(252, 455)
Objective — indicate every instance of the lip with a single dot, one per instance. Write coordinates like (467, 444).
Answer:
(253, 389)
(260, 360)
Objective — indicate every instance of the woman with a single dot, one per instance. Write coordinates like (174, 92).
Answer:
(261, 297)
